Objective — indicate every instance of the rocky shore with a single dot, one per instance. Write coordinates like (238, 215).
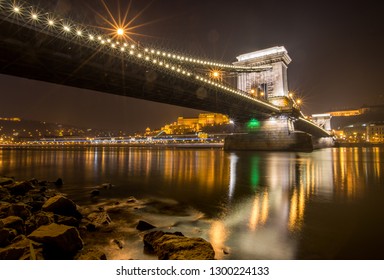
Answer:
(37, 222)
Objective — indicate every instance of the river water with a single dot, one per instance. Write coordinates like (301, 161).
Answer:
(328, 204)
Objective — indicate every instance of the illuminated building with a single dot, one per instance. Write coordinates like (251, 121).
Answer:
(375, 132)
(346, 113)
(10, 119)
(191, 125)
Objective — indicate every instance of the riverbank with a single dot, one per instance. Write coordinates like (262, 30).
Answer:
(39, 222)
(117, 145)
(358, 145)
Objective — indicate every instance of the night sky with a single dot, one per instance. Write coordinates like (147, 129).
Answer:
(336, 49)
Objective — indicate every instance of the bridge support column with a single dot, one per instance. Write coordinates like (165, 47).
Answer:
(270, 135)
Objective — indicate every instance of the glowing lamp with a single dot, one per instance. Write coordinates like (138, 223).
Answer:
(120, 31)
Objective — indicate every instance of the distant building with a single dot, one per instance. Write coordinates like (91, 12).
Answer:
(375, 132)
(190, 125)
(345, 113)
(11, 119)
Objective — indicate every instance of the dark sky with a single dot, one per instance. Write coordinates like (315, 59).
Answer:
(336, 49)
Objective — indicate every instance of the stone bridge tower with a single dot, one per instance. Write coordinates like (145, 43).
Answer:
(272, 84)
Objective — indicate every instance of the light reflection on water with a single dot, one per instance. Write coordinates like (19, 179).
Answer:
(256, 205)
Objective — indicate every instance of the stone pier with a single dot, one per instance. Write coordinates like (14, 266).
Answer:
(274, 134)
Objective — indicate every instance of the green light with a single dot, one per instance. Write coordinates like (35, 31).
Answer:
(253, 124)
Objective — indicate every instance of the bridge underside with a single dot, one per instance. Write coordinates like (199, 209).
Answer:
(35, 55)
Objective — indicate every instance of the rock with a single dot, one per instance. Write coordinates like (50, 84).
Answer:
(21, 210)
(1, 224)
(4, 209)
(20, 188)
(91, 254)
(61, 205)
(43, 183)
(99, 218)
(34, 182)
(37, 200)
(106, 185)
(59, 182)
(12, 234)
(14, 222)
(22, 249)
(37, 220)
(143, 225)
(4, 234)
(90, 227)
(95, 192)
(4, 193)
(68, 221)
(6, 181)
(60, 241)
(169, 246)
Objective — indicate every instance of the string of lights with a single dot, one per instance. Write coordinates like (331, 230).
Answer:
(20, 12)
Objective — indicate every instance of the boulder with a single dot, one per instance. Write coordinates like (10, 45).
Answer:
(4, 209)
(99, 218)
(4, 235)
(175, 246)
(68, 221)
(61, 205)
(6, 181)
(143, 225)
(106, 185)
(34, 181)
(59, 182)
(60, 241)
(14, 222)
(95, 192)
(20, 188)
(91, 254)
(39, 219)
(21, 210)
(4, 193)
(22, 249)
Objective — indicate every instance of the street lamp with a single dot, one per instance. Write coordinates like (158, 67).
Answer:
(120, 31)
(215, 74)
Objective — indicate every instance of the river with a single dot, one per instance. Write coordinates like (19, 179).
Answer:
(328, 204)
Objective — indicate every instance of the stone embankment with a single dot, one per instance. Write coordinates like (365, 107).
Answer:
(37, 223)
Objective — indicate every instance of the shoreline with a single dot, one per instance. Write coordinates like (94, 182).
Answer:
(358, 145)
(37, 221)
(159, 146)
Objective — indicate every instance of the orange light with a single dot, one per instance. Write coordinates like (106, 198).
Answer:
(120, 31)
(215, 74)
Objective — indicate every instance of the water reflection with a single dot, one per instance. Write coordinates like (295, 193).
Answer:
(269, 221)
(259, 205)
